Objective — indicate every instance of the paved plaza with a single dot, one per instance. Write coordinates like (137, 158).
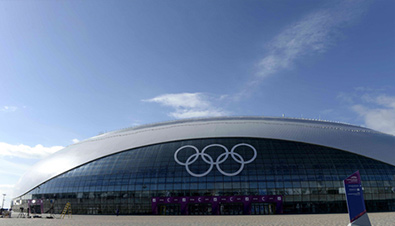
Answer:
(377, 219)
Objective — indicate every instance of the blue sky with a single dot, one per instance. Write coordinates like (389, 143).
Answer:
(70, 70)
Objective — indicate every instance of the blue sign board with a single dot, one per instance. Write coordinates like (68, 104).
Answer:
(354, 195)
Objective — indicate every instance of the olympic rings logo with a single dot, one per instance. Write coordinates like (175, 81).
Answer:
(220, 159)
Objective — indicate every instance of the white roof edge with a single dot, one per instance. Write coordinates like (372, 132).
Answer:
(350, 138)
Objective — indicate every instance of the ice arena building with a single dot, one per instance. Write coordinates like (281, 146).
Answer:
(215, 166)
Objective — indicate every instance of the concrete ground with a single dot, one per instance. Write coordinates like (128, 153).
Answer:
(377, 219)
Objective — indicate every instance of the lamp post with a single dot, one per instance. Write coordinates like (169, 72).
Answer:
(2, 205)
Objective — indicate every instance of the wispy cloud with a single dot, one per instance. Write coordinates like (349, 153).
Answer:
(75, 140)
(10, 171)
(378, 112)
(314, 34)
(15, 160)
(26, 151)
(8, 109)
(12, 168)
(136, 122)
(373, 106)
(189, 105)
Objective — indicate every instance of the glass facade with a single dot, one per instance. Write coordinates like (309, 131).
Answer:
(308, 177)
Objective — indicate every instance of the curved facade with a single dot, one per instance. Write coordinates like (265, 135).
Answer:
(217, 166)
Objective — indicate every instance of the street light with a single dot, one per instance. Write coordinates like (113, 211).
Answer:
(2, 205)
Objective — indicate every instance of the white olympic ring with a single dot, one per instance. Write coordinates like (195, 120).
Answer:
(220, 159)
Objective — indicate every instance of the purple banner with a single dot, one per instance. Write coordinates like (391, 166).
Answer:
(216, 201)
(35, 202)
(354, 196)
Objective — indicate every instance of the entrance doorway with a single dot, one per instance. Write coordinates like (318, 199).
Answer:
(169, 209)
(200, 209)
(231, 208)
(263, 208)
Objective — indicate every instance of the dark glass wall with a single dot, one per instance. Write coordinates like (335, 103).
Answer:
(308, 176)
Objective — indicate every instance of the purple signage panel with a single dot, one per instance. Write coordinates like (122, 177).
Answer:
(35, 202)
(354, 196)
(216, 201)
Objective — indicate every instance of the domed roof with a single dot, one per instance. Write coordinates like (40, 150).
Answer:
(362, 141)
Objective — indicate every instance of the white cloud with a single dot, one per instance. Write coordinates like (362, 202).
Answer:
(10, 171)
(386, 101)
(75, 140)
(346, 97)
(136, 122)
(181, 100)
(378, 112)
(12, 168)
(15, 160)
(8, 109)
(194, 113)
(313, 34)
(26, 151)
(189, 105)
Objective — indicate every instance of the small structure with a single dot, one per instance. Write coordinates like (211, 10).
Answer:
(66, 210)
(36, 207)
(21, 213)
(355, 202)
